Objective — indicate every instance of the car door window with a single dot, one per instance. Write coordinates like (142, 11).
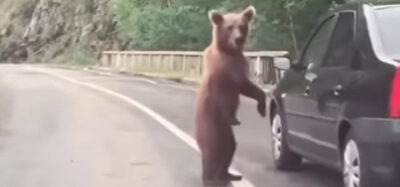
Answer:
(340, 49)
(317, 47)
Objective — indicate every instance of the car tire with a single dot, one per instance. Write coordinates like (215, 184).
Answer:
(355, 174)
(284, 158)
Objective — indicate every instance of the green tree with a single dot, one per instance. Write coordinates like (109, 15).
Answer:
(184, 25)
(154, 27)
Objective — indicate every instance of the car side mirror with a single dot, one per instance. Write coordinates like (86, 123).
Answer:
(282, 63)
(294, 63)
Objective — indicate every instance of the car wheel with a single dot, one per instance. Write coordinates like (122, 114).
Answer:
(353, 173)
(284, 158)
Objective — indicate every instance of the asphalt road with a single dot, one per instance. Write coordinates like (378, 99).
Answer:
(63, 128)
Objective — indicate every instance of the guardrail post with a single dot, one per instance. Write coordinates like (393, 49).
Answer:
(113, 60)
(184, 64)
(271, 73)
(199, 65)
(133, 62)
(100, 62)
(140, 62)
(118, 61)
(149, 62)
(171, 61)
(109, 60)
(130, 62)
(160, 62)
(258, 70)
(124, 59)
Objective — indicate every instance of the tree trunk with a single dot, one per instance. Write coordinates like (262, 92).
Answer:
(169, 4)
(293, 35)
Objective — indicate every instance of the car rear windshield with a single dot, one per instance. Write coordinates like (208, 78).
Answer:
(388, 20)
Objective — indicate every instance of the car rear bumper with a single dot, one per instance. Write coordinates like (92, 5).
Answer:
(379, 141)
(376, 130)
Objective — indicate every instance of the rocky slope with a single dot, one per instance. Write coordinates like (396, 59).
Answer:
(51, 30)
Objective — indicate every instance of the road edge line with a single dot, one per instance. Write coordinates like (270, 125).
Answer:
(161, 120)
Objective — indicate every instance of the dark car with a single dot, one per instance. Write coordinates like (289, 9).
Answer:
(339, 103)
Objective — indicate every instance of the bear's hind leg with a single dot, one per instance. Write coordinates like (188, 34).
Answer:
(212, 170)
(229, 151)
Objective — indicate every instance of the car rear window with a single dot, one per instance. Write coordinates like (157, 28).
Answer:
(388, 20)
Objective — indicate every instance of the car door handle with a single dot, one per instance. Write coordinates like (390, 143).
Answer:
(311, 77)
(337, 90)
(307, 91)
(310, 65)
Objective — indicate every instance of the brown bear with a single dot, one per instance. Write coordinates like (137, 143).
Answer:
(224, 79)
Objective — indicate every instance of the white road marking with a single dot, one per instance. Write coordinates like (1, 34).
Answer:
(250, 100)
(146, 80)
(163, 121)
(156, 83)
(110, 74)
(180, 87)
(195, 89)
(98, 72)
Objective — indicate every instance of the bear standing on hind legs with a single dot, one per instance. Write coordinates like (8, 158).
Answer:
(224, 79)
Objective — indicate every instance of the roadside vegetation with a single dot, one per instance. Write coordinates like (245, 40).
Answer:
(78, 30)
(183, 24)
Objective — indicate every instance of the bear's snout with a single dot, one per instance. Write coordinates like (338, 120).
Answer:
(240, 41)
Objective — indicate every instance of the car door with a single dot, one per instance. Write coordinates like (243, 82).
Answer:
(326, 89)
(297, 104)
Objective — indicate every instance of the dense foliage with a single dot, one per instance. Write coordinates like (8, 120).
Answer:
(184, 25)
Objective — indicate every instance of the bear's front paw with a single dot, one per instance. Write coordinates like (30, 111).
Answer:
(261, 108)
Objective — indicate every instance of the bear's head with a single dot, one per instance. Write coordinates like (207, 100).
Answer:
(230, 30)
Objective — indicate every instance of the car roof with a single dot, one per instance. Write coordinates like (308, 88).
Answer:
(344, 7)
(379, 7)
(357, 6)
(340, 8)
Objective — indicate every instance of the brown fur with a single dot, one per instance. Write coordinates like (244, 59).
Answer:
(224, 79)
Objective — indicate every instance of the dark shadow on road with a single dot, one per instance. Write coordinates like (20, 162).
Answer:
(317, 174)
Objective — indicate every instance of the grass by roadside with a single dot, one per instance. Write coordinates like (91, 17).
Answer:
(171, 77)
(85, 62)
(74, 61)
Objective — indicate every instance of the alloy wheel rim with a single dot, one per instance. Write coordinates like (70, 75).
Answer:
(277, 137)
(351, 165)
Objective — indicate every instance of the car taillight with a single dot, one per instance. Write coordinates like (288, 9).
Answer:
(395, 96)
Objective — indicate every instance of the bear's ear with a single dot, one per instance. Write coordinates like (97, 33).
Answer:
(216, 17)
(249, 13)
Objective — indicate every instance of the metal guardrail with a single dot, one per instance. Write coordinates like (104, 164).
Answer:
(263, 67)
